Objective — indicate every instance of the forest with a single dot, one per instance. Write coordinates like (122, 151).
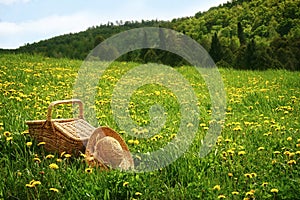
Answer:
(240, 34)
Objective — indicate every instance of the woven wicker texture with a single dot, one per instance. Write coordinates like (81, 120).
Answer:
(77, 128)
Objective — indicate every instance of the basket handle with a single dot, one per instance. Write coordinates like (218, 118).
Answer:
(71, 101)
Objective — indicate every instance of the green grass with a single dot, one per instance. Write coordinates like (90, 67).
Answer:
(254, 155)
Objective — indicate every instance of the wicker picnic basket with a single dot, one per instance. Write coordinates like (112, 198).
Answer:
(62, 135)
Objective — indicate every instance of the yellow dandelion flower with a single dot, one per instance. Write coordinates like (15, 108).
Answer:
(49, 156)
(289, 139)
(241, 147)
(89, 170)
(158, 136)
(240, 153)
(235, 193)
(136, 142)
(291, 154)
(217, 187)
(125, 183)
(276, 152)
(260, 148)
(253, 174)
(62, 154)
(82, 155)
(291, 162)
(53, 166)
(157, 93)
(138, 194)
(6, 133)
(41, 143)
(297, 152)
(202, 124)
(274, 161)
(130, 141)
(58, 160)
(297, 145)
(54, 190)
(268, 134)
(34, 183)
(67, 155)
(230, 174)
(37, 160)
(28, 144)
(248, 175)
(25, 132)
(274, 190)
(205, 128)
(264, 184)
(9, 138)
(230, 151)
(221, 196)
(237, 128)
(172, 136)
(227, 140)
(29, 185)
(250, 193)
(189, 125)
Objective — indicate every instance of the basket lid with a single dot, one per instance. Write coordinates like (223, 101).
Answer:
(77, 129)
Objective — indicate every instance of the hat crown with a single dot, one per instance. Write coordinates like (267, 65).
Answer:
(109, 150)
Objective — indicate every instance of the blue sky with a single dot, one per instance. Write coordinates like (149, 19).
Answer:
(27, 21)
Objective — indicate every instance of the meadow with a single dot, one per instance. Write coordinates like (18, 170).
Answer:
(257, 155)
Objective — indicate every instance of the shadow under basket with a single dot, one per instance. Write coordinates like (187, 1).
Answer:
(62, 135)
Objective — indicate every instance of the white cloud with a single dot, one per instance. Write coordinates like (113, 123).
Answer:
(16, 33)
(13, 35)
(8, 2)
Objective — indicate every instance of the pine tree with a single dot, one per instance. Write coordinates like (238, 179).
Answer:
(241, 34)
(250, 56)
(98, 40)
(216, 51)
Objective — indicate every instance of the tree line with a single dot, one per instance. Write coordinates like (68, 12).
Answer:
(241, 34)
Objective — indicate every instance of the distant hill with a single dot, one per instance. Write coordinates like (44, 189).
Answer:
(244, 34)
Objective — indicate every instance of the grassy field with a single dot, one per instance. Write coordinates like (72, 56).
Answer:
(257, 155)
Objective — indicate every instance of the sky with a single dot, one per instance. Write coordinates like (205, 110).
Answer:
(28, 21)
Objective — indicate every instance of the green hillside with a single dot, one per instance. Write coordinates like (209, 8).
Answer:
(243, 34)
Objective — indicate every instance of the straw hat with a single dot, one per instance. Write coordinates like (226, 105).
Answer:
(106, 148)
